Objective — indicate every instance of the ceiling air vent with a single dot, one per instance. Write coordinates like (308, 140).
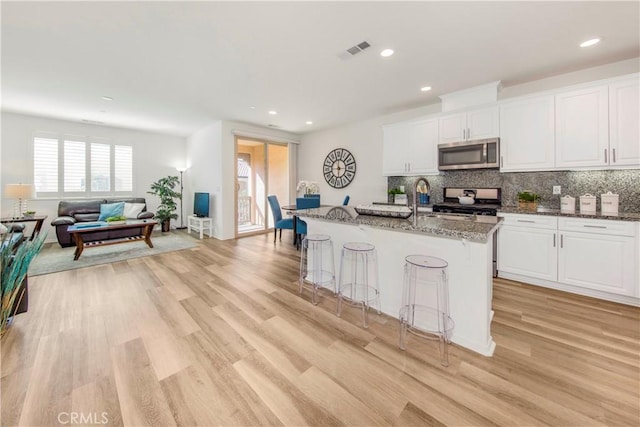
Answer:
(354, 50)
(92, 122)
(273, 126)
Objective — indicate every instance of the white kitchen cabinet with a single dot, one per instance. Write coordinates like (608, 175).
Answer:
(410, 148)
(594, 257)
(469, 125)
(527, 246)
(527, 134)
(598, 254)
(582, 128)
(624, 134)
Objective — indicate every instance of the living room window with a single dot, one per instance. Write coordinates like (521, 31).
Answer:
(74, 166)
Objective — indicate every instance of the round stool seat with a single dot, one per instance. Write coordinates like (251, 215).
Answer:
(426, 261)
(358, 246)
(317, 237)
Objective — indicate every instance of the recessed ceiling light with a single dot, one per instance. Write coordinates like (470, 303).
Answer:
(107, 98)
(386, 52)
(425, 88)
(309, 122)
(590, 42)
(252, 107)
(273, 113)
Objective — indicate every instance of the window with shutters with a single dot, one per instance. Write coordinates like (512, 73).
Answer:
(75, 166)
(45, 165)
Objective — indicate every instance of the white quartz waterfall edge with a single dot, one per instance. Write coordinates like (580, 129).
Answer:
(470, 279)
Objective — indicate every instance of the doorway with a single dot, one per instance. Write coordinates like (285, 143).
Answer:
(262, 169)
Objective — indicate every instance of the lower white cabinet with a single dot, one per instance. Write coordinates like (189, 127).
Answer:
(527, 246)
(587, 256)
(598, 255)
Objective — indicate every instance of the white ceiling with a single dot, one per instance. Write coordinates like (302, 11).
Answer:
(175, 67)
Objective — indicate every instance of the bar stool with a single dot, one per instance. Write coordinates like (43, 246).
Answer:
(317, 266)
(360, 261)
(425, 302)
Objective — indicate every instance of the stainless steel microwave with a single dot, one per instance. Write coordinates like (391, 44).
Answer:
(478, 154)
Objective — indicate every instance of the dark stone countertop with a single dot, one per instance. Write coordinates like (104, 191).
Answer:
(478, 230)
(622, 216)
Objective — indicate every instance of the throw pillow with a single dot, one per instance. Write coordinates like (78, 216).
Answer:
(3, 229)
(110, 209)
(131, 210)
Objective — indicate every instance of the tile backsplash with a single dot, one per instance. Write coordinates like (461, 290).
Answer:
(625, 183)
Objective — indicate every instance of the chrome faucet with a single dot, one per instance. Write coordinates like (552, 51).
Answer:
(415, 197)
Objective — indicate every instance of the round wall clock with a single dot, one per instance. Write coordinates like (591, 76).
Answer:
(339, 168)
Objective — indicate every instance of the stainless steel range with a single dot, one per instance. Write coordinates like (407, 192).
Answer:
(473, 201)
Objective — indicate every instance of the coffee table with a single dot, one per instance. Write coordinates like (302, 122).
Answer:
(80, 232)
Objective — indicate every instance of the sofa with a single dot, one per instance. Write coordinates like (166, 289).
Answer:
(72, 212)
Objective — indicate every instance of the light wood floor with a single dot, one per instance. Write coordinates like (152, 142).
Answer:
(217, 335)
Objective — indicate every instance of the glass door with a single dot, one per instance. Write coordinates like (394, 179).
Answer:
(262, 169)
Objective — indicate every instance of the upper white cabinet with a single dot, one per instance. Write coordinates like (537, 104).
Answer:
(582, 128)
(624, 136)
(527, 134)
(410, 148)
(475, 124)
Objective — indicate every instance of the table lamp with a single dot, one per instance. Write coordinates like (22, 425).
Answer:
(21, 192)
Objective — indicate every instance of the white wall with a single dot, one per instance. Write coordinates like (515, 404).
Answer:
(204, 154)
(211, 156)
(364, 138)
(154, 156)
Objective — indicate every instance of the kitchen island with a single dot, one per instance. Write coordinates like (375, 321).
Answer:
(465, 243)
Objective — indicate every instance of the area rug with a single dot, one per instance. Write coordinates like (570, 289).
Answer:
(53, 258)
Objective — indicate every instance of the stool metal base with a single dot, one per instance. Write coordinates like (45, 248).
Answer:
(440, 331)
(363, 302)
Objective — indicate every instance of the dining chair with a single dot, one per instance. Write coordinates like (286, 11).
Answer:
(278, 222)
(346, 201)
(305, 203)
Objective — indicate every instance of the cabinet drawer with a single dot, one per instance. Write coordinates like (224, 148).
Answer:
(598, 226)
(530, 221)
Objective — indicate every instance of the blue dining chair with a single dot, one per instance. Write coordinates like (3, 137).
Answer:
(346, 201)
(305, 203)
(278, 222)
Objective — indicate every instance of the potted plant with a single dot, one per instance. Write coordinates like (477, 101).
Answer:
(392, 194)
(164, 189)
(14, 264)
(528, 200)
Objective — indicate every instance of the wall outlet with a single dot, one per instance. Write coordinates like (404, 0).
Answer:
(557, 189)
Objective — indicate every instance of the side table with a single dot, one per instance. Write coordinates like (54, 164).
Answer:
(39, 220)
(198, 223)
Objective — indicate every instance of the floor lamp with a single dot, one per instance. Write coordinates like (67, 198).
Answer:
(181, 170)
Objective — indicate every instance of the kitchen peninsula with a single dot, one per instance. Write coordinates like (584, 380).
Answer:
(466, 243)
